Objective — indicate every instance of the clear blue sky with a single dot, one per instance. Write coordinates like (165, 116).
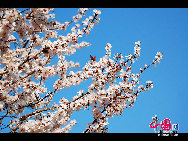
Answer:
(159, 29)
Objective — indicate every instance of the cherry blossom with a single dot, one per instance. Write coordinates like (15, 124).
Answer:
(29, 40)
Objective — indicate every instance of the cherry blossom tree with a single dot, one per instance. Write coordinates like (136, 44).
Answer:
(29, 40)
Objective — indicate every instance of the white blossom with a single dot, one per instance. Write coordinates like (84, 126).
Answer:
(26, 68)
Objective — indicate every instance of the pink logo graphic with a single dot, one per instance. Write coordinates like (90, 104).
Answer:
(165, 125)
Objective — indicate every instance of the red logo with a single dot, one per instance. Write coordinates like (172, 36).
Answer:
(165, 125)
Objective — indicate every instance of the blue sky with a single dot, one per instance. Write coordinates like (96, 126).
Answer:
(159, 29)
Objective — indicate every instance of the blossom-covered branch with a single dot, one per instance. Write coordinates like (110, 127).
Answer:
(29, 40)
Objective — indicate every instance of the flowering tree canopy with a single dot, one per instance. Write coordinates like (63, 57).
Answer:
(29, 40)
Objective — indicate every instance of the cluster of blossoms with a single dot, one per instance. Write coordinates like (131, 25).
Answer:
(26, 66)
